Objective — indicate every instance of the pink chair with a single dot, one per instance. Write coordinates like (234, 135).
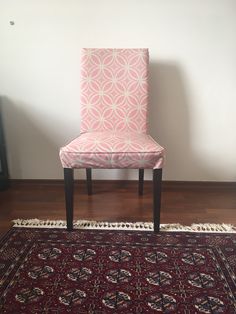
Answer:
(114, 99)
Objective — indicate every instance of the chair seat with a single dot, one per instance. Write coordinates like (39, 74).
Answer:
(108, 149)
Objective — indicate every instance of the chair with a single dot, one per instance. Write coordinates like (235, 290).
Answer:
(114, 99)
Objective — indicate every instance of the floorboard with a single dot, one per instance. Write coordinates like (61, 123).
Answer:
(119, 201)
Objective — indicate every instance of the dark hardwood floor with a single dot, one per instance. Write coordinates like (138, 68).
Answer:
(184, 203)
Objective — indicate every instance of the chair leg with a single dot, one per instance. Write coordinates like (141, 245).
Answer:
(157, 178)
(69, 196)
(89, 180)
(140, 184)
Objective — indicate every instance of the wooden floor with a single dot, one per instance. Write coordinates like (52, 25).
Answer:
(183, 203)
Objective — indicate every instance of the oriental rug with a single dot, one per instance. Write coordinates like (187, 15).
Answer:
(50, 270)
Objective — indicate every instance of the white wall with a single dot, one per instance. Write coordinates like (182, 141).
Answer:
(192, 72)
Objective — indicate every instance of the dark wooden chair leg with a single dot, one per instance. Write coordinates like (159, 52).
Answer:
(89, 180)
(140, 183)
(69, 196)
(157, 178)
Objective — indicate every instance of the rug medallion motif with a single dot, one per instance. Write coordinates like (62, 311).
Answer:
(107, 271)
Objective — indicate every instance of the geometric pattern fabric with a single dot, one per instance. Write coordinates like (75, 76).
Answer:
(114, 90)
(112, 150)
(114, 100)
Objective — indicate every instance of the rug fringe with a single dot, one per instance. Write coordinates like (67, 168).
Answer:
(141, 226)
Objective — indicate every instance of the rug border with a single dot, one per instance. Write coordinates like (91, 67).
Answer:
(132, 226)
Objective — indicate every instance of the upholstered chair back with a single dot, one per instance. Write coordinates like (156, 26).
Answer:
(114, 90)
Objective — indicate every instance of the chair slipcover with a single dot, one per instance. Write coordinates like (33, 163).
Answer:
(114, 100)
(110, 149)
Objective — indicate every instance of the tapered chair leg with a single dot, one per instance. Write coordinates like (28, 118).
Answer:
(140, 183)
(89, 180)
(157, 179)
(69, 196)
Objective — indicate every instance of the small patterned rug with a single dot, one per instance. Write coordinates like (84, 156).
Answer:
(50, 270)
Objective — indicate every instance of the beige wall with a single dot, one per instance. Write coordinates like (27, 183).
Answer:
(192, 72)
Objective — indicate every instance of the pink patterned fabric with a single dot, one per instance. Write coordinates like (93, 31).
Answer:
(112, 150)
(114, 98)
(114, 90)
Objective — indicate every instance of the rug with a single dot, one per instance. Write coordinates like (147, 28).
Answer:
(50, 270)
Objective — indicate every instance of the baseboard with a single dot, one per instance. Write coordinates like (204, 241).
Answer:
(165, 184)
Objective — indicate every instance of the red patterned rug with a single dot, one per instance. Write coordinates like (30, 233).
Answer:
(45, 270)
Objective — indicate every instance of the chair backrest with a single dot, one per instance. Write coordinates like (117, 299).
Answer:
(114, 90)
